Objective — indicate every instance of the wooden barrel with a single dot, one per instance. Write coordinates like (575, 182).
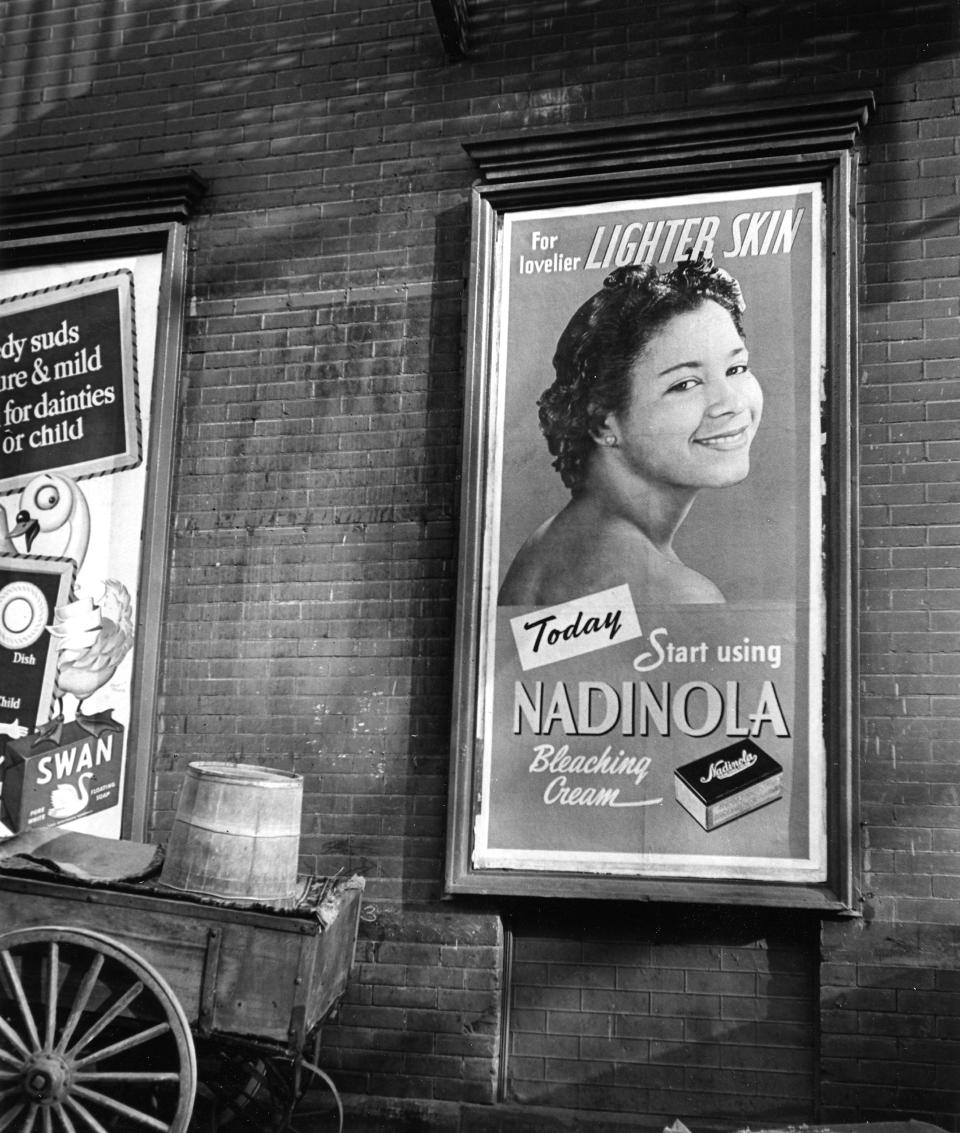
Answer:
(236, 835)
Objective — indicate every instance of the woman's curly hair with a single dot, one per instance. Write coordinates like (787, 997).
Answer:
(597, 350)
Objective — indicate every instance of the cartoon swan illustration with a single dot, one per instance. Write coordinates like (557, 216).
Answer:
(91, 639)
(67, 799)
(51, 502)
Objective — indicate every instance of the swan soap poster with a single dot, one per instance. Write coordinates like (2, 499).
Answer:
(647, 646)
(69, 425)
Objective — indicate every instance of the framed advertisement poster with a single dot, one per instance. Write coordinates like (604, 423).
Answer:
(71, 501)
(644, 646)
(91, 317)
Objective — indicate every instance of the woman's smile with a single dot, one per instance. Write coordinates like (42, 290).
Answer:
(729, 441)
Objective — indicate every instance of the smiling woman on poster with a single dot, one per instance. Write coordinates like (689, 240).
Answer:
(653, 401)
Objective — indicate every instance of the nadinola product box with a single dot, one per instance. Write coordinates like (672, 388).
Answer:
(47, 784)
(731, 782)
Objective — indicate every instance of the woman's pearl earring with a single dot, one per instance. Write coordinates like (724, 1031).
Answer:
(609, 439)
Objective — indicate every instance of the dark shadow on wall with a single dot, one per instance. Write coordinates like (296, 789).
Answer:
(699, 1012)
(424, 551)
(415, 528)
(746, 42)
(590, 59)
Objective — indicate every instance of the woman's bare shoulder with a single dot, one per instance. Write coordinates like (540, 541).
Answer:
(554, 566)
(687, 587)
(571, 555)
(524, 579)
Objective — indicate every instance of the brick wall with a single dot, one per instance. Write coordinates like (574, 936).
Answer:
(423, 1015)
(889, 1009)
(310, 605)
(696, 1014)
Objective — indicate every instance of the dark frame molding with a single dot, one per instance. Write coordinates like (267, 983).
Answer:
(94, 221)
(664, 145)
(733, 147)
(89, 208)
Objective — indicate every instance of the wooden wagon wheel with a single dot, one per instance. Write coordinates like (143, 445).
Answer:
(92, 1039)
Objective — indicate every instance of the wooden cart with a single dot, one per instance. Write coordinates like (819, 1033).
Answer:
(108, 992)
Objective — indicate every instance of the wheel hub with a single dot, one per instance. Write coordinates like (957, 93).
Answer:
(46, 1079)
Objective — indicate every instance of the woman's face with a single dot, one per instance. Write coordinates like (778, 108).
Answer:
(695, 405)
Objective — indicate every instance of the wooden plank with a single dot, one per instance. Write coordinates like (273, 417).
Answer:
(148, 931)
(274, 977)
(334, 954)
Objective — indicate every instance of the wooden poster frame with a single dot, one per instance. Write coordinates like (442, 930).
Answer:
(96, 221)
(732, 151)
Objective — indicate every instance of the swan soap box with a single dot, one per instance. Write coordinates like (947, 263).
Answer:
(47, 783)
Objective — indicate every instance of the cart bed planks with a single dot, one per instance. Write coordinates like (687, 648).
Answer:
(239, 973)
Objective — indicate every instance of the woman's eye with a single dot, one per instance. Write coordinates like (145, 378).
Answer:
(740, 368)
(684, 385)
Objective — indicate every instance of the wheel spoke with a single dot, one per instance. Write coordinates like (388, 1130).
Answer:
(53, 994)
(8, 1118)
(6, 1058)
(47, 1120)
(85, 1115)
(124, 1045)
(68, 1126)
(13, 1039)
(80, 1003)
(127, 1076)
(28, 1125)
(119, 1107)
(20, 995)
(108, 1016)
